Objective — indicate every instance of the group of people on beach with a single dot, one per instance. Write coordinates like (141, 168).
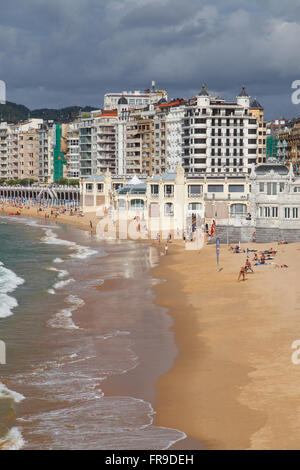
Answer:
(41, 208)
(260, 258)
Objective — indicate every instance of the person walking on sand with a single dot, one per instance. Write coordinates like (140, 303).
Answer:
(91, 225)
(158, 237)
(253, 237)
(242, 274)
(166, 249)
(248, 266)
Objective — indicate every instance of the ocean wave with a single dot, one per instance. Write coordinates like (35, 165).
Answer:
(81, 252)
(13, 440)
(63, 319)
(61, 272)
(9, 281)
(62, 284)
(9, 394)
(25, 221)
(58, 260)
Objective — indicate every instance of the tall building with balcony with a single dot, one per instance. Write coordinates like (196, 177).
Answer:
(257, 110)
(4, 149)
(289, 144)
(45, 151)
(219, 136)
(72, 156)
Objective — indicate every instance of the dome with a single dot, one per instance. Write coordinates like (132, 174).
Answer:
(122, 100)
(204, 92)
(277, 168)
(256, 104)
(243, 92)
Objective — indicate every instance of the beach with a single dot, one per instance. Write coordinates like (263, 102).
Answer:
(86, 343)
(233, 384)
(214, 354)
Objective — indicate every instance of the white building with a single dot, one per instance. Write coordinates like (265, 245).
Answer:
(174, 120)
(219, 136)
(136, 99)
(72, 157)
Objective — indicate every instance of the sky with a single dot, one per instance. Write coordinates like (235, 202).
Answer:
(57, 53)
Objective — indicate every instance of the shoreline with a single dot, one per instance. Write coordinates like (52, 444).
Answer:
(111, 386)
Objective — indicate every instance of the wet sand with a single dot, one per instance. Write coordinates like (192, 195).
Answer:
(79, 221)
(233, 384)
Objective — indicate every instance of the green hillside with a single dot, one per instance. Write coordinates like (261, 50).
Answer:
(13, 113)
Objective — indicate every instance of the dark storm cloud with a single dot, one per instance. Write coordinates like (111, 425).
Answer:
(62, 52)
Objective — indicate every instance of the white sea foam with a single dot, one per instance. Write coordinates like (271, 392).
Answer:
(58, 260)
(25, 221)
(61, 272)
(63, 319)
(13, 440)
(81, 252)
(7, 393)
(51, 291)
(62, 284)
(9, 281)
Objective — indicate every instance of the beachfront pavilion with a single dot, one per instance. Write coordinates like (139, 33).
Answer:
(169, 202)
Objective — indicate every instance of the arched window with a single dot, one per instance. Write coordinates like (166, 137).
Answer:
(195, 207)
(238, 210)
(121, 204)
(169, 209)
(137, 204)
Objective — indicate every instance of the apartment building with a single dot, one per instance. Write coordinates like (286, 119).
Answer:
(72, 156)
(136, 99)
(45, 151)
(19, 150)
(4, 132)
(257, 110)
(289, 144)
(219, 136)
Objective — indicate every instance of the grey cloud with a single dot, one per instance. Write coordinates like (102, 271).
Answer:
(73, 51)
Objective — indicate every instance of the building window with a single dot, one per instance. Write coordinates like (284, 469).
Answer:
(271, 189)
(275, 212)
(100, 188)
(169, 190)
(295, 212)
(121, 204)
(238, 210)
(195, 207)
(154, 189)
(137, 204)
(236, 188)
(195, 190)
(286, 212)
(89, 187)
(215, 188)
(261, 187)
(169, 209)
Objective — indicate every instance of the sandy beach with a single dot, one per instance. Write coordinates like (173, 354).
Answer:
(80, 221)
(233, 384)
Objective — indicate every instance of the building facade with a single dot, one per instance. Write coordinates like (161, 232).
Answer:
(219, 136)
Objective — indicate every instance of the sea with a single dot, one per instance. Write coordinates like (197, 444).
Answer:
(85, 342)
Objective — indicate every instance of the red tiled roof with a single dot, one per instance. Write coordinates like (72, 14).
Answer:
(108, 113)
(172, 103)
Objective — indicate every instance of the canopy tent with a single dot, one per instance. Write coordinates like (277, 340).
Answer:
(134, 181)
